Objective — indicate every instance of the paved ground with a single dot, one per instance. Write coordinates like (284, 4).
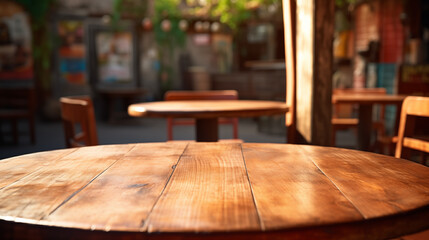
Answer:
(50, 134)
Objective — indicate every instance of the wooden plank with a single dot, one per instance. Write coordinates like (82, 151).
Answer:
(377, 185)
(305, 37)
(15, 168)
(290, 191)
(209, 191)
(39, 193)
(122, 197)
(417, 144)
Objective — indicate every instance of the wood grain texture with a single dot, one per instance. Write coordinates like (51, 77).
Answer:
(208, 192)
(324, 24)
(122, 197)
(15, 168)
(188, 190)
(293, 185)
(376, 185)
(207, 108)
(42, 191)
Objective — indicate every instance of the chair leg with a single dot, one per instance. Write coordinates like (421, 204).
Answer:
(169, 129)
(333, 137)
(235, 128)
(14, 123)
(31, 126)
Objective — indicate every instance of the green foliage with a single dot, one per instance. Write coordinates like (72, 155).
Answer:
(127, 8)
(343, 3)
(37, 10)
(168, 10)
(233, 13)
(167, 41)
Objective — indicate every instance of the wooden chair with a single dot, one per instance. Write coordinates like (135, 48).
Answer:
(17, 104)
(200, 95)
(342, 113)
(412, 108)
(78, 112)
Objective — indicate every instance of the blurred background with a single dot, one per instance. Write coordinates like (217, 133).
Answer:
(125, 51)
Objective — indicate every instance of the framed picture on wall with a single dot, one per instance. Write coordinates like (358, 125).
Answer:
(70, 56)
(113, 55)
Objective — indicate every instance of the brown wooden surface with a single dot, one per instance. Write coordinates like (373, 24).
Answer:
(212, 191)
(366, 102)
(368, 99)
(207, 112)
(207, 108)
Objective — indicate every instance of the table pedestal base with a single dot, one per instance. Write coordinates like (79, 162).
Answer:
(365, 127)
(207, 130)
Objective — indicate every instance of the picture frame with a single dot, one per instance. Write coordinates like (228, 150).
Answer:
(70, 56)
(113, 55)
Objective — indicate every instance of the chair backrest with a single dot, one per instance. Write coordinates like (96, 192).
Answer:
(412, 107)
(201, 95)
(78, 112)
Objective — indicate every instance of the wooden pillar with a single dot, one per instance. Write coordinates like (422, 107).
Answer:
(289, 21)
(309, 56)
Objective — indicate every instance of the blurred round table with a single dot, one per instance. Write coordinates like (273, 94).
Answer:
(366, 103)
(207, 112)
(181, 190)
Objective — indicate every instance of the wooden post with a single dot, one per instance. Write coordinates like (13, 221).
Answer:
(310, 61)
(289, 10)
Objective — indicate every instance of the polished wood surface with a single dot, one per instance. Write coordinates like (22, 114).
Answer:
(180, 190)
(413, 107)
(366, 102)
(207, 112)
(207, 108)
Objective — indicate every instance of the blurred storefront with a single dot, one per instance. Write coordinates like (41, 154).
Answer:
(386, 44)
(128, 44)
(382, 43)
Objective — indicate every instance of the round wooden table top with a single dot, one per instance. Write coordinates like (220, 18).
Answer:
(213, 190)
(368, 98)
(207, 108)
